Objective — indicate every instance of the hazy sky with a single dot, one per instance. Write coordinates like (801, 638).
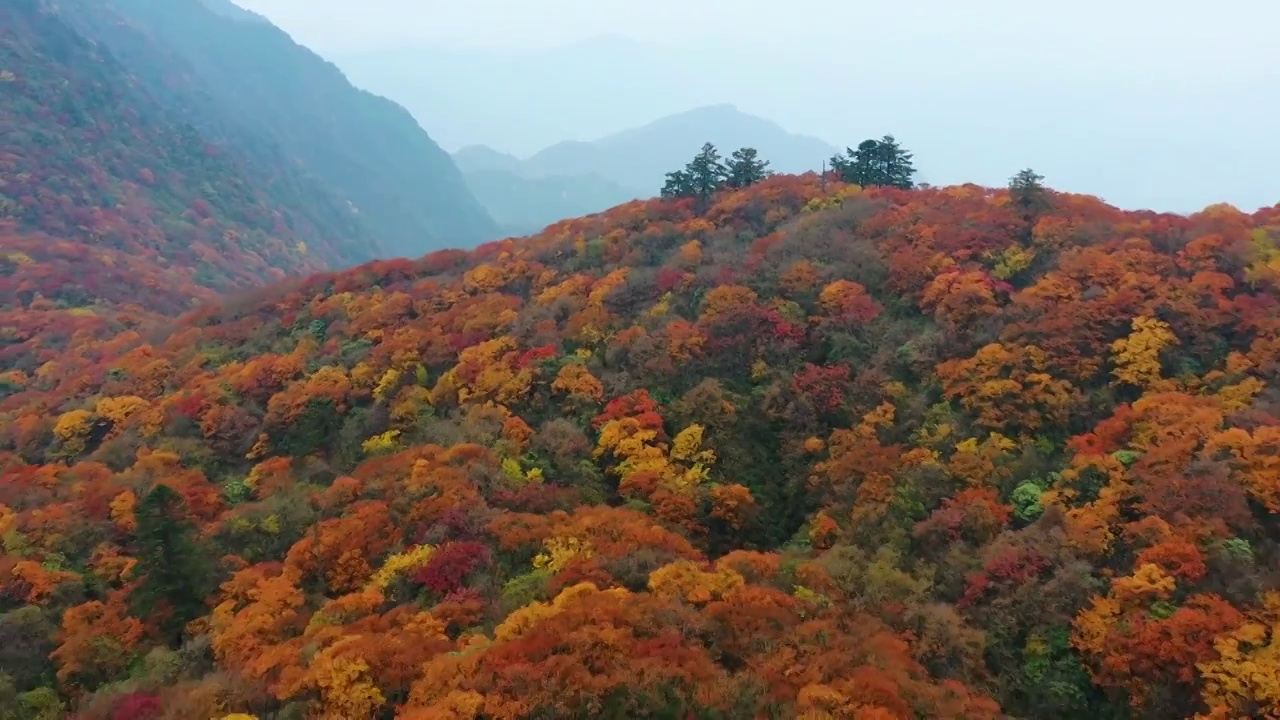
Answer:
(1216, 33)
(1166, 104)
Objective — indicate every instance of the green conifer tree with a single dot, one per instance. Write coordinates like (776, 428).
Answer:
(880, 162)
(706, 173)
(1027, 191)
(175, 569)
(893, 164)
(678, 185)
(745, 168)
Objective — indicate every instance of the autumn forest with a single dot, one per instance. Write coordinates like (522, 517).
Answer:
(770, 446)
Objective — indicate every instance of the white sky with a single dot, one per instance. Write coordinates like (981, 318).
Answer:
(1214, 32)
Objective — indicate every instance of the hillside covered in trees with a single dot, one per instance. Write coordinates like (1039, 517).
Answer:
(92, 156)
(246, 84)
(157, 127)
(115, 212)
(800, 449)
(137, 181)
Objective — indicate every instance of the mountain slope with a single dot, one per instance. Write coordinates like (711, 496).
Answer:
(163, 75)
(116, 214)
(229, 9)
(90, 155)
(475, 158)
(817, 451)
(524, 201)
(645, 154)
(251, 81)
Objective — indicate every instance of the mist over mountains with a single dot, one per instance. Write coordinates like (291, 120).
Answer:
(1106, 118)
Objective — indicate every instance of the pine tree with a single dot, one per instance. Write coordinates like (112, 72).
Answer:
(678, 185)
(1028, 192)
(893, 164)
(842, 165)
(876, 162)
(863, 164)
(745, 168)
(700, 179)
(706, 173)
(175, 569)
(1031, 198)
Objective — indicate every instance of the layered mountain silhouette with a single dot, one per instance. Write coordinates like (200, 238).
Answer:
(482, 158)
(641, 157)
(575, 178)
(523, 205)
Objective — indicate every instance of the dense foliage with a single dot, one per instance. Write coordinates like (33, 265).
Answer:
(115, 212)
(813, 451)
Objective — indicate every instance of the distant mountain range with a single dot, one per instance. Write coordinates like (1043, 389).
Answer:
(641, 157)
(561, 149)
(574, 178)
(1109, 110)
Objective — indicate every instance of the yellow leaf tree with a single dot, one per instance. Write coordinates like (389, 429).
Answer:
(1137, 356)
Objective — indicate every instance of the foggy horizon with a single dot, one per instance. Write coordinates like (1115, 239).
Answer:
(1159, 106)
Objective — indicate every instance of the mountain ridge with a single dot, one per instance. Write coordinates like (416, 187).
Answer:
(482, 157)
(524, 204)
(641, 156)
(232, 10)
(514, 83)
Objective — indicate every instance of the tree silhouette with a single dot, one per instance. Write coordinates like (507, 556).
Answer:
(1031, 198)
(706, 172)
(700, 179)
(1028, 191)
(880, 162)
(678, 185)
(745, 168)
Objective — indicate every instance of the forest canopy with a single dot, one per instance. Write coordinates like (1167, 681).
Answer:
(804, 448)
